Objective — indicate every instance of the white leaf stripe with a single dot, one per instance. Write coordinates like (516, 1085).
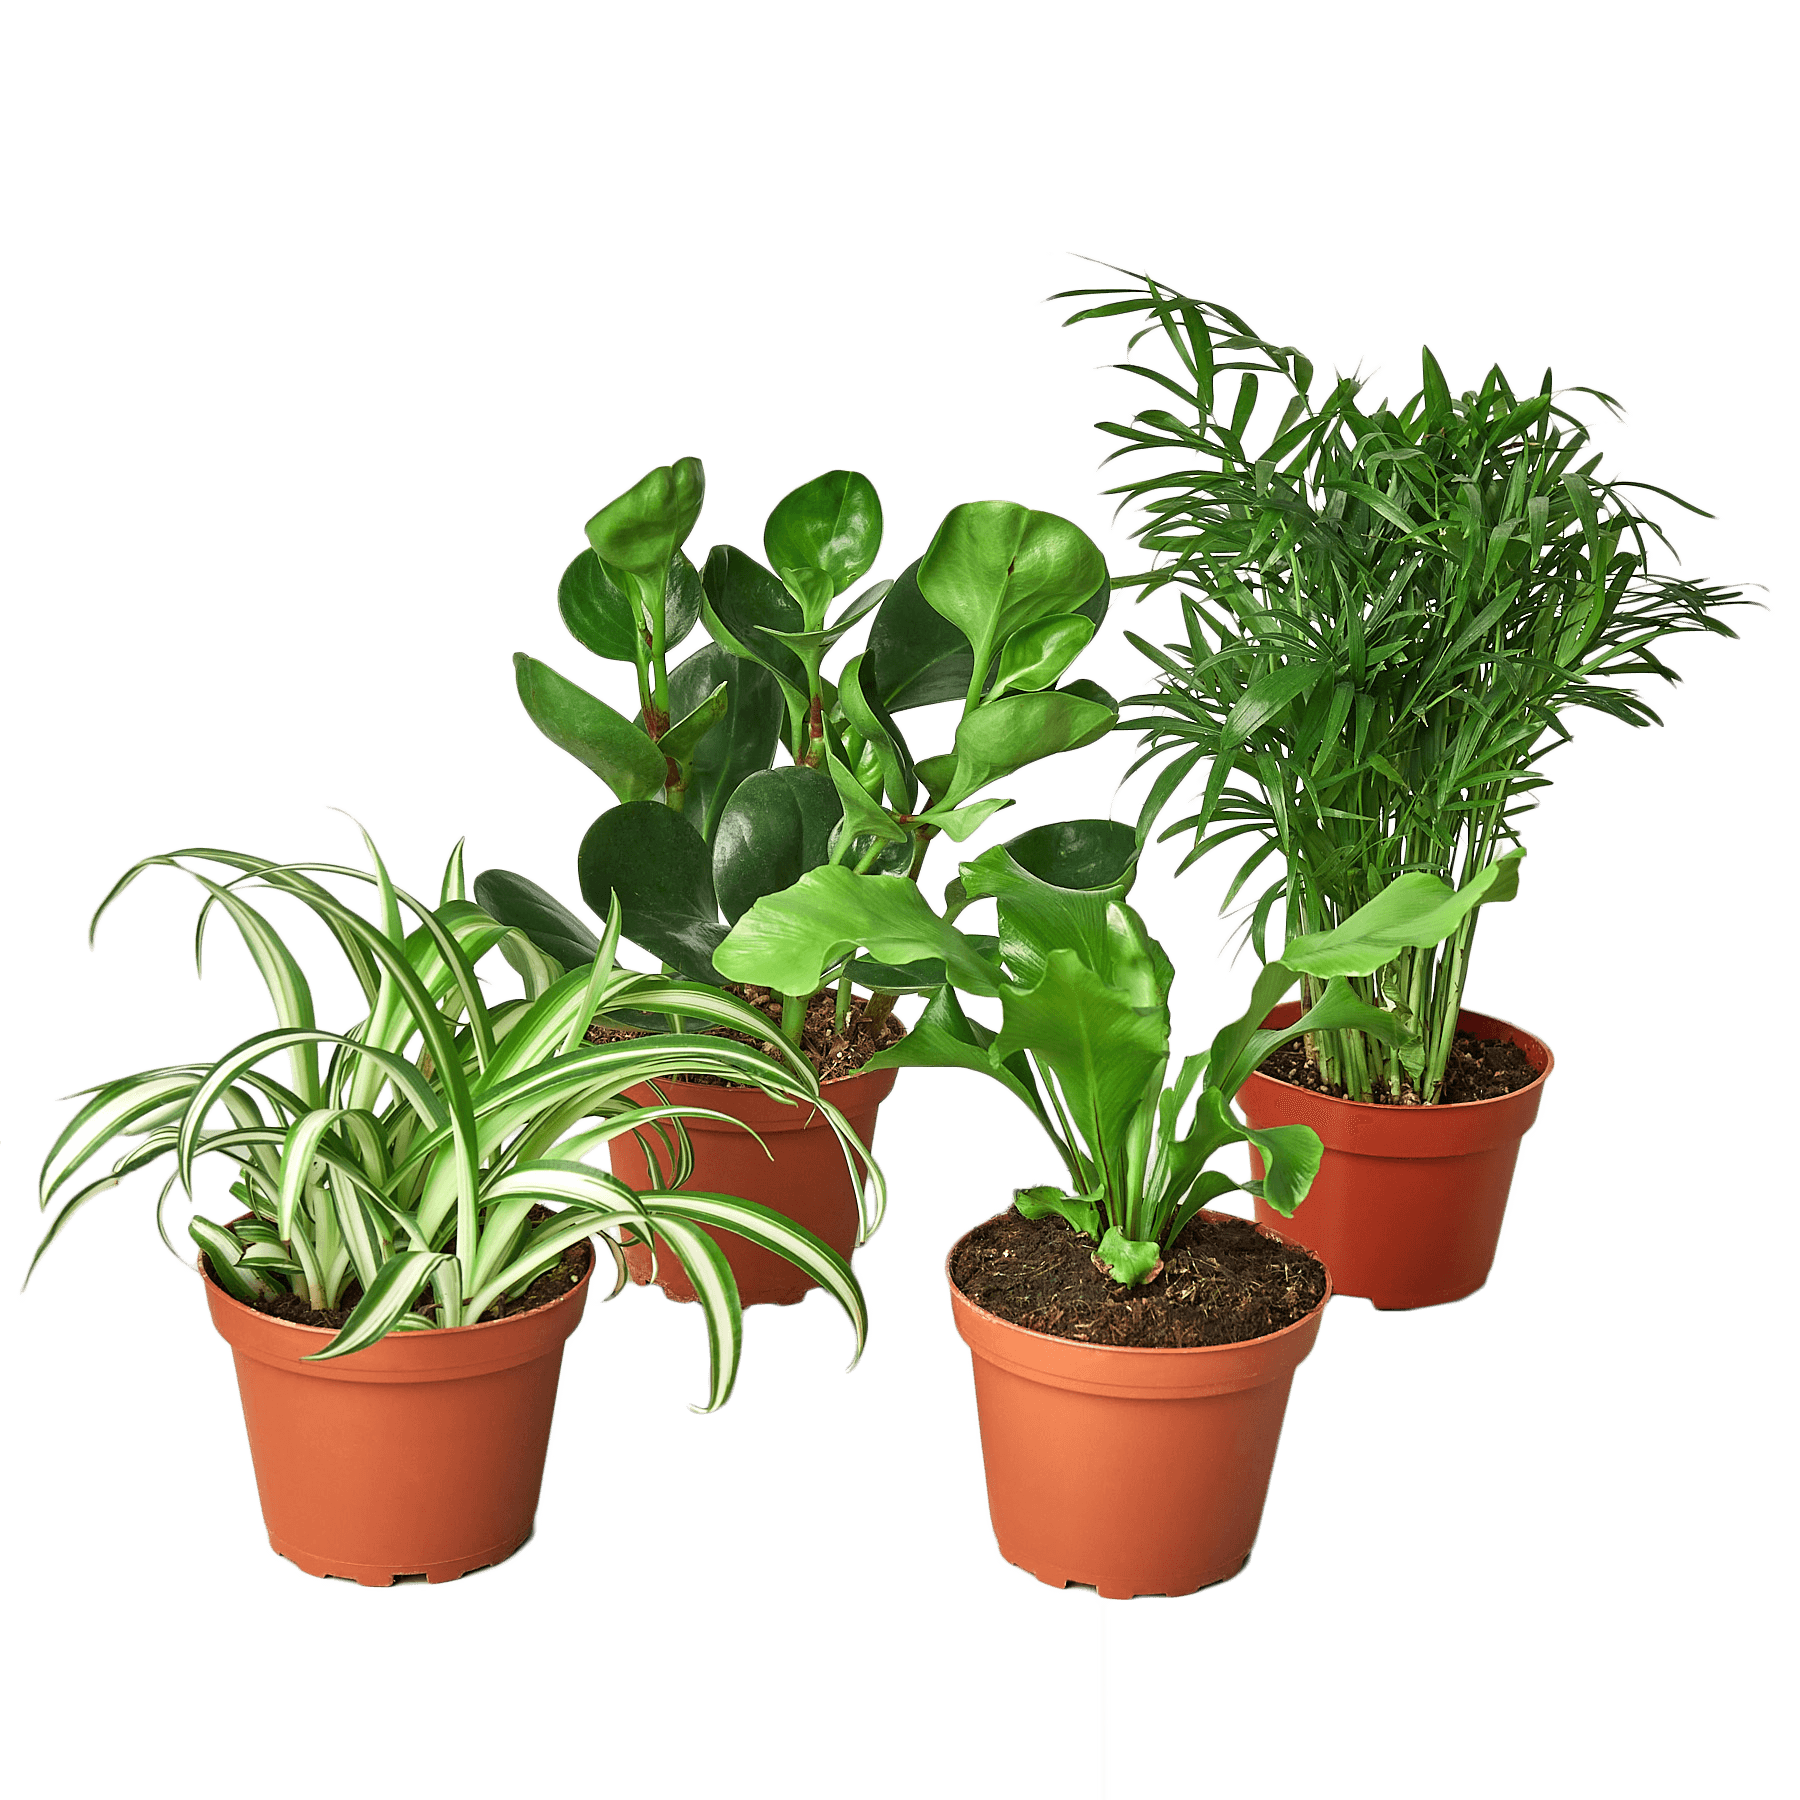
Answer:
(709, 1274)
(223, 1254)
(281, 974)
(773, 1231)
(395, 1290)
(110, 1112)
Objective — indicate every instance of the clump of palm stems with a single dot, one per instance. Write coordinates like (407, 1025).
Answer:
(1388, 612)
(430, 1163)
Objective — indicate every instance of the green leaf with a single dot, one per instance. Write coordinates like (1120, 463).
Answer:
(863, 708)
(644, 527)
(745, 607)
(600, 617)
(523, 905)
(1107, 1054)
(1041, 1202)
(1128, 1260)
(226, 1257)
(945, 1037)
(1038, 916)
(1037, 656)
(863, 817)
(741, 743)
(916, 657)
(679, 740)
(1092, 855)
(824, 535)
(787, 941)
(1291, 1158)
(1413, 911)
(1267, 698)
(995, 568)
(606, 742)
(395, 1290)
(962, 822)
(1439, 413)
(777, 826)
(1002, 736)
(661, 870)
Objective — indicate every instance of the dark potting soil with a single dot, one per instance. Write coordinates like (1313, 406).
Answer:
(551, 1285)
(1480, 1069)
(833, 1054)
(1222, 1282)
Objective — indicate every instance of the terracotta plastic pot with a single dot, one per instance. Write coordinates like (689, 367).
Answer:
(803, 1175)
(1134, 1471)
(420, 1455)
(1406, 1208)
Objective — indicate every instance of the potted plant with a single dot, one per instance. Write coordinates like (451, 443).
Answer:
(992, 616)
(1389, 615)
(415, 1218)
(1132, 1351)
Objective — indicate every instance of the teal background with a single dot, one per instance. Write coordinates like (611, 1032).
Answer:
(326, 328)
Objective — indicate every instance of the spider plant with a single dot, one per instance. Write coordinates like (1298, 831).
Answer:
(427, 1163)
(1388, 612)
(992, 615)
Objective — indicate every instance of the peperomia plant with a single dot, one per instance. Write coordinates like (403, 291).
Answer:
(432, 1165)
(992, 617)
(1083, 1039)
(1388, 611)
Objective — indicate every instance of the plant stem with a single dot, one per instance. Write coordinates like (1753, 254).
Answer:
(842, 1015)
(920, 844)
(878, 1006)
(793, 1016)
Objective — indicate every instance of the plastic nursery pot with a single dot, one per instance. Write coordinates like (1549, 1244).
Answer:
(420, 1455)
(803, 1175)
(1406, 1208)
(1134, 1471)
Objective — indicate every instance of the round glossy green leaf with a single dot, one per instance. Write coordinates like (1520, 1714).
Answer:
(1002, 735)
(916, 657)
(744, 605)
(995, 568)
(1037, 656)
(599, 616)
(742, 743)
(774, 828)
(825, 535)
(656, 863)
(605, 741)
(1095, 855)
(648, 523)
(522, 904)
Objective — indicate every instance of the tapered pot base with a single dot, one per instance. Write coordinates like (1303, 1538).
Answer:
(381, 1575)
(421, 1454)
(1131, 1471)
(1407, 1205)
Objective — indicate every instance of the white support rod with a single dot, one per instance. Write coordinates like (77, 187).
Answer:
(1104, 1701)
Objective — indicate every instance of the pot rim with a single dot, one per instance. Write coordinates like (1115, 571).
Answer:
(1305, 1322)
(441, 1332)
(1442, 1108)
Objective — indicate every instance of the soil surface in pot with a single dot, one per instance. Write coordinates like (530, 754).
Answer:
(833, 1054)
(1222, 1282)
(1480, 1069)
(551, 1285)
